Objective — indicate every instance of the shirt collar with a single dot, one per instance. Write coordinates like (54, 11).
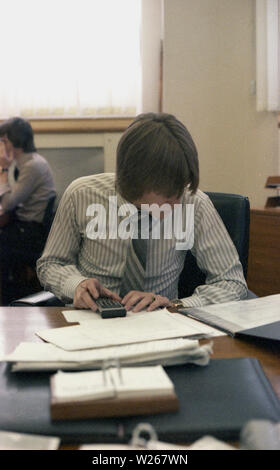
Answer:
(22, 159)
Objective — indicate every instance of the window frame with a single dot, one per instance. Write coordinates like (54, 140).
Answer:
(79, 125)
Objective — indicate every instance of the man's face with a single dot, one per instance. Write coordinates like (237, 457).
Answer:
(158, 200)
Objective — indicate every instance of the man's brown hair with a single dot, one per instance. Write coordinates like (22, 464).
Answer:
(20, 133)
(157, 154)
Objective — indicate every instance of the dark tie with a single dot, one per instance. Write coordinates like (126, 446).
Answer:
(140, 244)
(16, 173)
(135, 269)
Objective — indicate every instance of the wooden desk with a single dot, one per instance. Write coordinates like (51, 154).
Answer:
(20, 324)
(264, 251)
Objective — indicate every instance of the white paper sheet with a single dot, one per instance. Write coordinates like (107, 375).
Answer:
(148, 326)
(35, 351)
(22, 441)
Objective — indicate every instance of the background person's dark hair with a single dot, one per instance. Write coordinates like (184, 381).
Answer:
(20, 133)
(157, 154)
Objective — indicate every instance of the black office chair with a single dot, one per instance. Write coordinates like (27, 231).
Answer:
(22, 278)
(235, 213)
(30, 258)
(234, 210)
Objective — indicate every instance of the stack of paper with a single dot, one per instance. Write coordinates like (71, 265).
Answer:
(150, 338)
(157, 325)
(44, 356)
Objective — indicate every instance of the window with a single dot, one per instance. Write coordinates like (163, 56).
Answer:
(70, 58)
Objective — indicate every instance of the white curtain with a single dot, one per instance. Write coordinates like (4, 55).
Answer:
(267, 58)
(70, 58)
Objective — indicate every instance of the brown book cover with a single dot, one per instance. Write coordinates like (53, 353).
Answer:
(113, 392)
(113, 407)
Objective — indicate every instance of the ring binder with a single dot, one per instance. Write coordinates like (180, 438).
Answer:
(137, 440)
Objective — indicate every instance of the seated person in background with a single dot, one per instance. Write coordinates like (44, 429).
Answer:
(26, 185)
(156, 163)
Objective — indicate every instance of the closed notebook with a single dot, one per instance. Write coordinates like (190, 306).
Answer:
(111, 392)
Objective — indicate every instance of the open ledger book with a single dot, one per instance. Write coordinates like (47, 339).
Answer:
(258, 317)
(112, 391)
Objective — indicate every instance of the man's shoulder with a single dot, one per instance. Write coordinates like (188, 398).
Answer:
(198, 198)
(101, 183)
(35, 161)
(201, 202)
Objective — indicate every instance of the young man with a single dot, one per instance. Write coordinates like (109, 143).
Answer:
(26, 180)
(156, 164)
(26, 186)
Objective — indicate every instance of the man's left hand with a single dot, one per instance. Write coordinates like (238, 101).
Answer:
(136, 301)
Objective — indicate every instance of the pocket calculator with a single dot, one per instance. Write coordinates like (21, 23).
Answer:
(109, 308)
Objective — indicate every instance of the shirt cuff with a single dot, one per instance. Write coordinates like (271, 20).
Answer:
(70, 285)
(192, 301)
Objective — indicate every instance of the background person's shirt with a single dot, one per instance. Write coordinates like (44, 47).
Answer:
(70, 256)
(30, 192)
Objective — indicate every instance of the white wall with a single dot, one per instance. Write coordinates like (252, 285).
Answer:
(209, 66)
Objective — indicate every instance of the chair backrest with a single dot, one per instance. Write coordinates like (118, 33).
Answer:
(234, 210)
(49, 214)
(27, 257)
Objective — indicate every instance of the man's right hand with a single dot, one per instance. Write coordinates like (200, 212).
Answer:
(5, 158)
(89, 290)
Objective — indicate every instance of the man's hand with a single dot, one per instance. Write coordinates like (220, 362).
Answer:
(89, 290)
(5, 158)
(136, 301)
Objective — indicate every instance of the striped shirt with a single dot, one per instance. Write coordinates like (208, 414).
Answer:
(71, 254)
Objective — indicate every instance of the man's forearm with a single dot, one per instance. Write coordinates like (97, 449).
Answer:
(61, 280)
(217, 292)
